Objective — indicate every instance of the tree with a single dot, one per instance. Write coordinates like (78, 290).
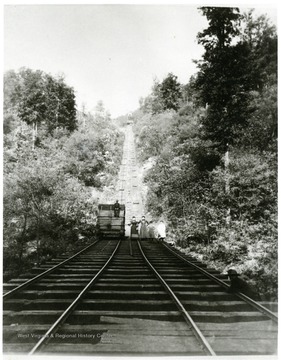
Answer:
(61, 109)
(166, 95)
(222, 81)
(240, 59)
(10, 82)
(40, 100)
(261, 38)
(223, 27)
(170, 91)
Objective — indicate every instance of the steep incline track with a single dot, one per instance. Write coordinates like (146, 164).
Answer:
(129, 187)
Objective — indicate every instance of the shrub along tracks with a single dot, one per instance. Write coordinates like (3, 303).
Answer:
(105, 301)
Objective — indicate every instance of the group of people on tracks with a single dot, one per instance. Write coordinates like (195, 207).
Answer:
(144, 229)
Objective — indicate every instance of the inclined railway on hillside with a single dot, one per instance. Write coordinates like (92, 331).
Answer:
(121, 297)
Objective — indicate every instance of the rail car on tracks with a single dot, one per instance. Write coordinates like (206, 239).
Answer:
(109, 225)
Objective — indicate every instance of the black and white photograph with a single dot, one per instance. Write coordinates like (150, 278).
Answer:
(140, 180)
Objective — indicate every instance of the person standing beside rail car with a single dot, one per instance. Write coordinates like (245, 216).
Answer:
(134, 233)
(151, 231)
(143, 231)
(134, 227)
(116, 209)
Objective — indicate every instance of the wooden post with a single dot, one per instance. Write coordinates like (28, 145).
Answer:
(226, 166)
(227, 186)
(33, 135)
(130, 245)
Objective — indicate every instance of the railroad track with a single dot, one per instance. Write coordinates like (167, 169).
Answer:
(149, 303)
(232, 324)
(31, 305)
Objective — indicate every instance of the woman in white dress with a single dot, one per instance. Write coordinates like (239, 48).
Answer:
(161, 229)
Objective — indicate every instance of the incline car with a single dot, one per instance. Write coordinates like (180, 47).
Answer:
(109, 225)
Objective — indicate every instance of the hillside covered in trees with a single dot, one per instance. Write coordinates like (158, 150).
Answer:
(56, 161)
(213, 146)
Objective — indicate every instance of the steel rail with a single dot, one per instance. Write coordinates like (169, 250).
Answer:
(240, 295)
(39, 276)
(45, 338)
(198, 334)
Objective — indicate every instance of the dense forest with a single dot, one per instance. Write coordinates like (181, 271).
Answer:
(56, 162)
(211, 149)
